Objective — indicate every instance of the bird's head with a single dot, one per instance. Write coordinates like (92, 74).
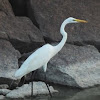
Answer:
(74, 20)
(70, 20)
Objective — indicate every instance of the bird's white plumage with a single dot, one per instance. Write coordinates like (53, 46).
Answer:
(36, 60)
(41, 56)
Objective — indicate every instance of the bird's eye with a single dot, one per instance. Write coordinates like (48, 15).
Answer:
(74, 20)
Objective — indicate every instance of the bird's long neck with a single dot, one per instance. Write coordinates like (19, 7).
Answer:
(64, 34)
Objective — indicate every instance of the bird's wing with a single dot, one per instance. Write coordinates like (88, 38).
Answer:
(37, 59)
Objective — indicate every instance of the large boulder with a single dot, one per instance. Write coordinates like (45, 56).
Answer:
(50, 14)
(77, 66)
(25, 90)
(6, 8)
(21, 32)
(8, 62)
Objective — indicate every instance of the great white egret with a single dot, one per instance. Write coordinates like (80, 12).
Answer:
(41, 56)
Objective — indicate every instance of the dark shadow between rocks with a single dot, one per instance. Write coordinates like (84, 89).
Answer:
(48, 40)
(21, 8)
(24, 47)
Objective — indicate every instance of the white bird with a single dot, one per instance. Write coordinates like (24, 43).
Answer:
(41, 56)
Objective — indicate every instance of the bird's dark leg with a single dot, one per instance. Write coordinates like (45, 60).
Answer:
(22, 81)
(47, 85)
(32, 84)
(32, 78)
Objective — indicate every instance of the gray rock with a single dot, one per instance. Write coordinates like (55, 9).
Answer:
(25, 90)
(2, 97)
(77, 66)
(50, 14)
(21, 32)
(4, 86)
(8, 62)
(4, 91)
(6, 8)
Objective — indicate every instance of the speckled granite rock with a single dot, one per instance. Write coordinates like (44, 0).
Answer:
(2, 97)
(4, 91)
(8, 62)
(25, 90)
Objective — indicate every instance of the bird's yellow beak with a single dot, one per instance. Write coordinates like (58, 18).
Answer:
(81, 21)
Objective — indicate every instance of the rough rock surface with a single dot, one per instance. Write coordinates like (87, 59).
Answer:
(4, 91)
(2, 97)
(21, 32)
(8, 61)
(4, 86)
(6, 8)
(77, 66)
(25, 90)
(50, 14)
(21, 28)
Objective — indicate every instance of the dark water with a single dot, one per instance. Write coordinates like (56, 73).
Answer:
(66, 93)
